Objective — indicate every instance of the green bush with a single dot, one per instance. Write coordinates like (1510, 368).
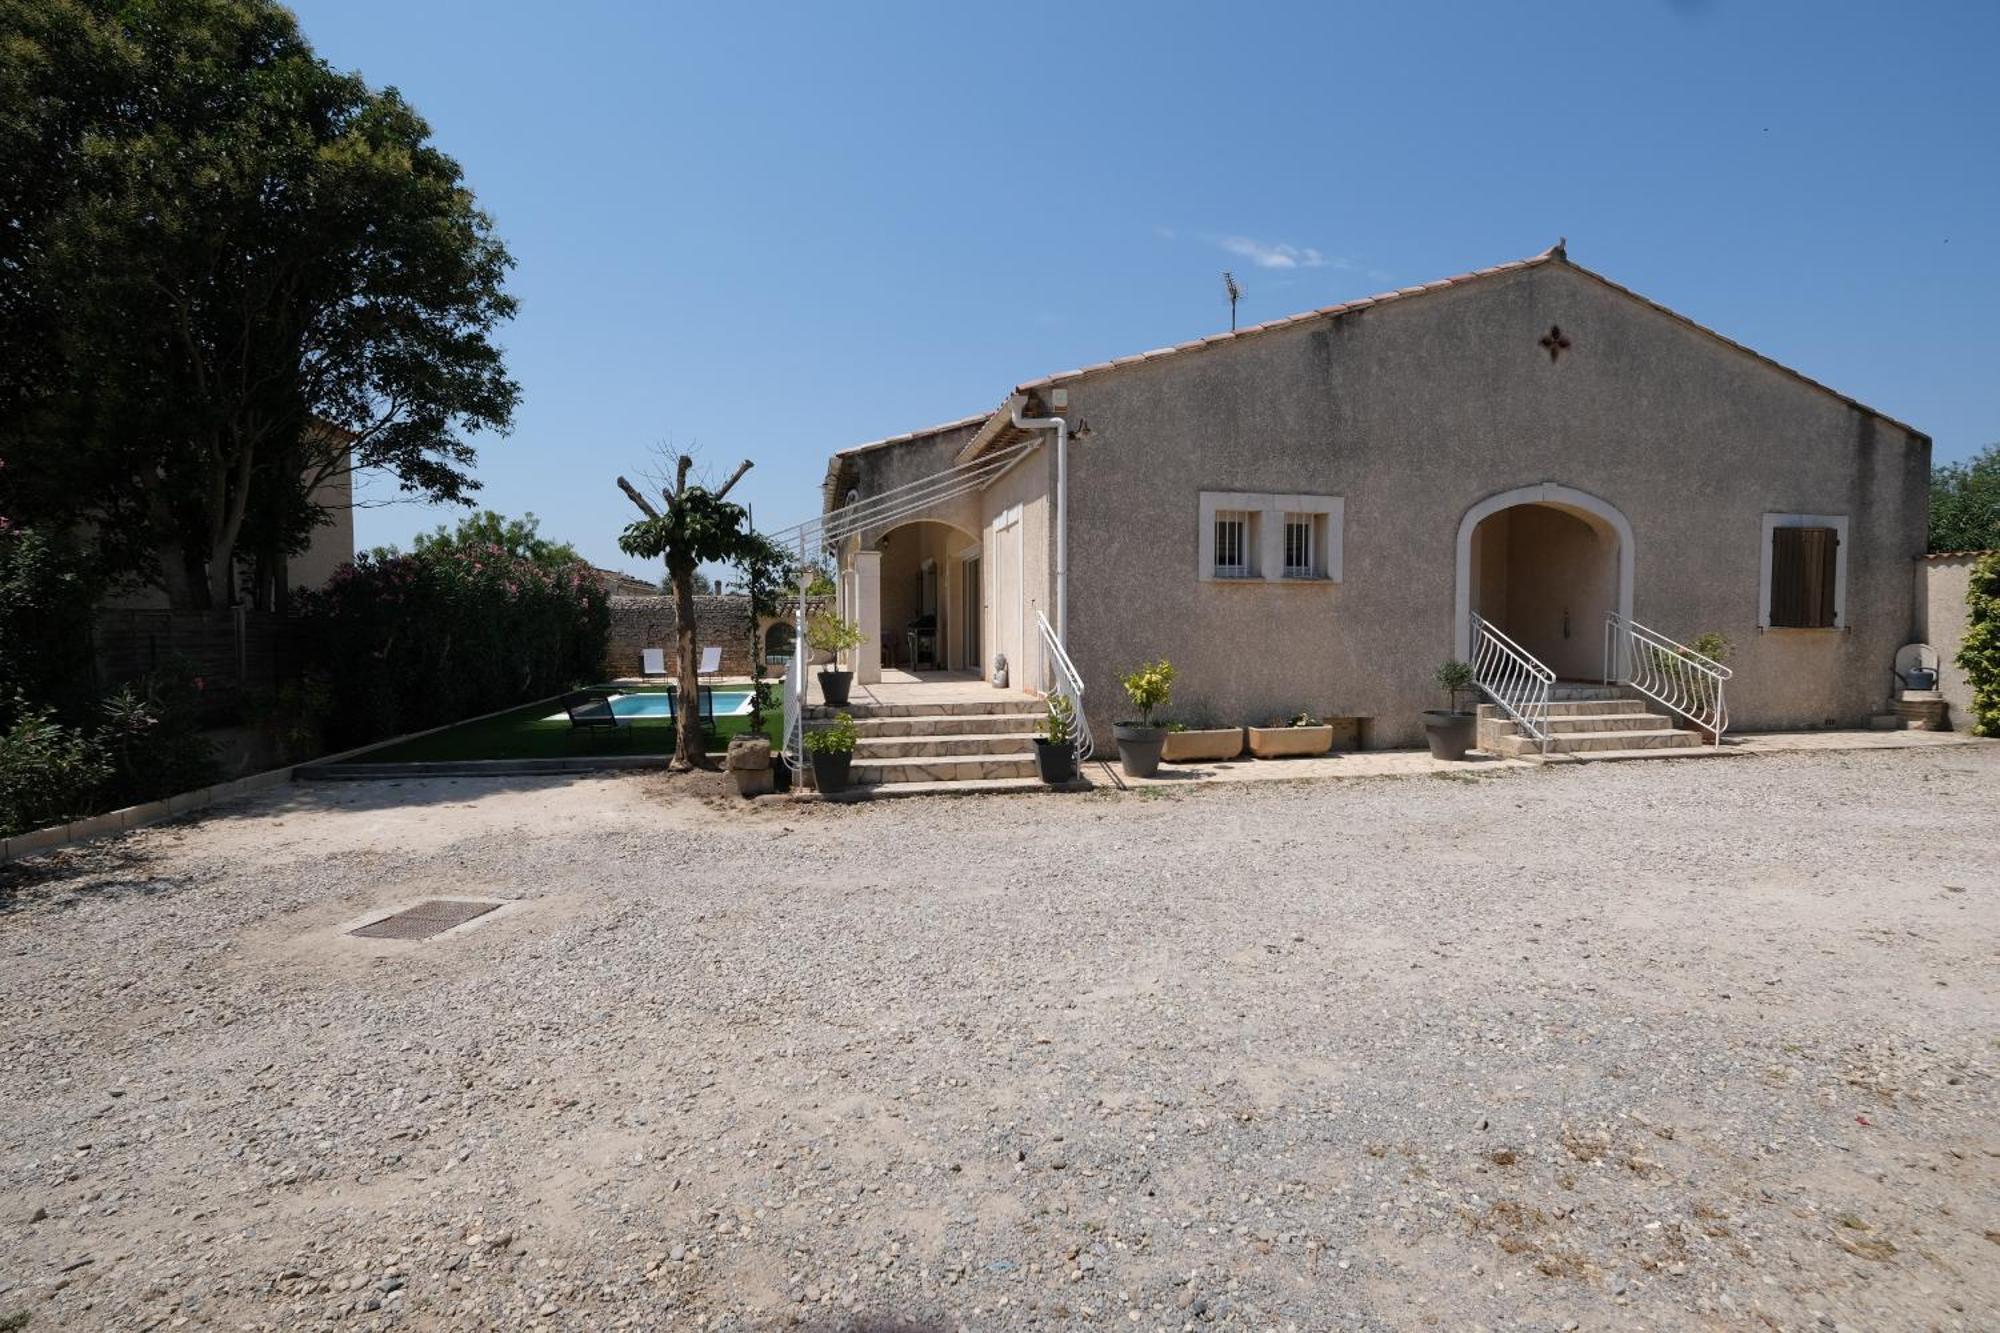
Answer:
(1979, 654)
(837, 737)
(49, 773)
(1149, 686)
(408, 642)
(46, 597)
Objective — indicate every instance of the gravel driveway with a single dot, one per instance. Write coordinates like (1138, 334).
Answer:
(1662, 1045)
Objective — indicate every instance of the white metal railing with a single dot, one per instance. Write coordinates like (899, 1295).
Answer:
(795, 711)
(1669, 673)
(1511, 677)
(1066, 682)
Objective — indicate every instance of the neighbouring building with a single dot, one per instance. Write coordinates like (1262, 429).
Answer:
(1312, 513)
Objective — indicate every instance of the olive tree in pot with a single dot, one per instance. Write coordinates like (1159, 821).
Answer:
(1451, 731)
(832, 751)
(827, 632)
(1055, 747)
(1139, 742)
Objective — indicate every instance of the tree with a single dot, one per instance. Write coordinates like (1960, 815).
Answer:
(229, 274)
(520, 537)
(698, 526)
(1965, 503)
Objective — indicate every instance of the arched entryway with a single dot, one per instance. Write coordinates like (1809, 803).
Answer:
(925, 600)
(1545, 565)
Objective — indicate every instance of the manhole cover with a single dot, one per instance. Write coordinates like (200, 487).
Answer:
(425, 919)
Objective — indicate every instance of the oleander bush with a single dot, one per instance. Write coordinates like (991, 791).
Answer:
(406, 642)
(1979, 653)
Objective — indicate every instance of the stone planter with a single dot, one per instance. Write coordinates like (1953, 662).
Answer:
(833, 687)
(750, 765)
(1290, 742)
(1138, 748)
(1055, 761)
(1204, 746)
(1450, 734)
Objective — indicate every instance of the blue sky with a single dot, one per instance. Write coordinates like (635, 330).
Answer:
(770, 231)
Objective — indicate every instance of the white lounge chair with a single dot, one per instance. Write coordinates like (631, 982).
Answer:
(654, 661)
(711, 661)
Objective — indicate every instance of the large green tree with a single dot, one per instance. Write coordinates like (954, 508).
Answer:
(521, 537)
(212, 244)
(1965, 503)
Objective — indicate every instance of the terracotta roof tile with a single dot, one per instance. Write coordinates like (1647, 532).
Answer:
(1954, 555)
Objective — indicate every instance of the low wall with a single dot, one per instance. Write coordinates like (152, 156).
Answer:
(638, 623)
(1942, 582)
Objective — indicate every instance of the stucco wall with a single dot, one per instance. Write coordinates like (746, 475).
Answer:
(1414, 412)
(1941, 585)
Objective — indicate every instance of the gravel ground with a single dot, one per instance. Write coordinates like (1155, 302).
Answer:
(1627, 1046)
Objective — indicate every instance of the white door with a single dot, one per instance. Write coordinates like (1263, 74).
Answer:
(1006, 562)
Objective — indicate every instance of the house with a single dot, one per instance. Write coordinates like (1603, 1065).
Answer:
(1524, 462)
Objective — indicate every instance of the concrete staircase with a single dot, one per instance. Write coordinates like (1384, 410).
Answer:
(1592, 722)
(916, 747)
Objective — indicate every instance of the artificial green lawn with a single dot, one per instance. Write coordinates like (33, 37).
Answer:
(525, 734)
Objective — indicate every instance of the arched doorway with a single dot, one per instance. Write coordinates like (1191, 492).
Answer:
(925, 605)
(1545, 565)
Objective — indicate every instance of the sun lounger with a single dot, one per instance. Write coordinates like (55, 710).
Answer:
(654, 661)
(592, 712)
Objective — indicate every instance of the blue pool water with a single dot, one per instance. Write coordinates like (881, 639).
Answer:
(728, 703)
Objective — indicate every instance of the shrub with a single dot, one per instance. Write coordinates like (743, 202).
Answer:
(1454, 678)
(46, 602)
(830, 633)
(415, 641)
(1148, 687)
(1059, 720)
(837, 737)
(1979, 654)
(49, 773)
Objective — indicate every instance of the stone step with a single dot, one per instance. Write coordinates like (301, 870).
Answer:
(1618, 756)
(1571, 692)
(1576, 742)
(1630, 721)
(1579, 707)
(859, 710)
(942, 768)
(952, 724)
(1009, 744)
(879, 791)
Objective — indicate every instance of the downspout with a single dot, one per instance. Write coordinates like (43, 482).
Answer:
(1061, 428)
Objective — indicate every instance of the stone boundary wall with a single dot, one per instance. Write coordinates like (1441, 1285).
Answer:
(638, 623)
(1942, 583)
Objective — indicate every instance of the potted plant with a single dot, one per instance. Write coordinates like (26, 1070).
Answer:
(1291, 737)
(1451, 731)
(1199, 740)
(832, 751)
(827, 632)
(1055, 747)
(1139, 743)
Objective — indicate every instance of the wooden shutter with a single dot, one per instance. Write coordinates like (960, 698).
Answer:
(1804, 562)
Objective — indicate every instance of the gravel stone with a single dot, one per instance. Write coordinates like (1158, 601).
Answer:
(1650, 1045)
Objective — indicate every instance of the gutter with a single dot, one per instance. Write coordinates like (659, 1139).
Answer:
(1015, 404)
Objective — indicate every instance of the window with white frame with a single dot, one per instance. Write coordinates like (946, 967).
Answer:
(1247, 536)
(1232, 545)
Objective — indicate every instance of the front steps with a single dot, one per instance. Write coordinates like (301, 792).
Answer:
(1591, 722)
(921, 745)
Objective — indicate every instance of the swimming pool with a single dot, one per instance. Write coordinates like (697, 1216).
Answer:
(730, 701)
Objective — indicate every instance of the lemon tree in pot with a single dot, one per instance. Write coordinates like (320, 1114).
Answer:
(1139, 742)
(832, 751)
(1451, 731)
(1055, 747)
(827, 632)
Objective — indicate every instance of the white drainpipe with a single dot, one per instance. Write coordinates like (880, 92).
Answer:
(1061, 428)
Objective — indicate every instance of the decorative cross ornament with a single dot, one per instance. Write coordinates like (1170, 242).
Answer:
(1556, 341)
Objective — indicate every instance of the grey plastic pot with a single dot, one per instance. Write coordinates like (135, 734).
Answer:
(1055, 761)
(1450, 734)
(833, 687)
(830, 770)
(1138, 748)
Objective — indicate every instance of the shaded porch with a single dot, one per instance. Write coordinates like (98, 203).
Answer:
(904, 688)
